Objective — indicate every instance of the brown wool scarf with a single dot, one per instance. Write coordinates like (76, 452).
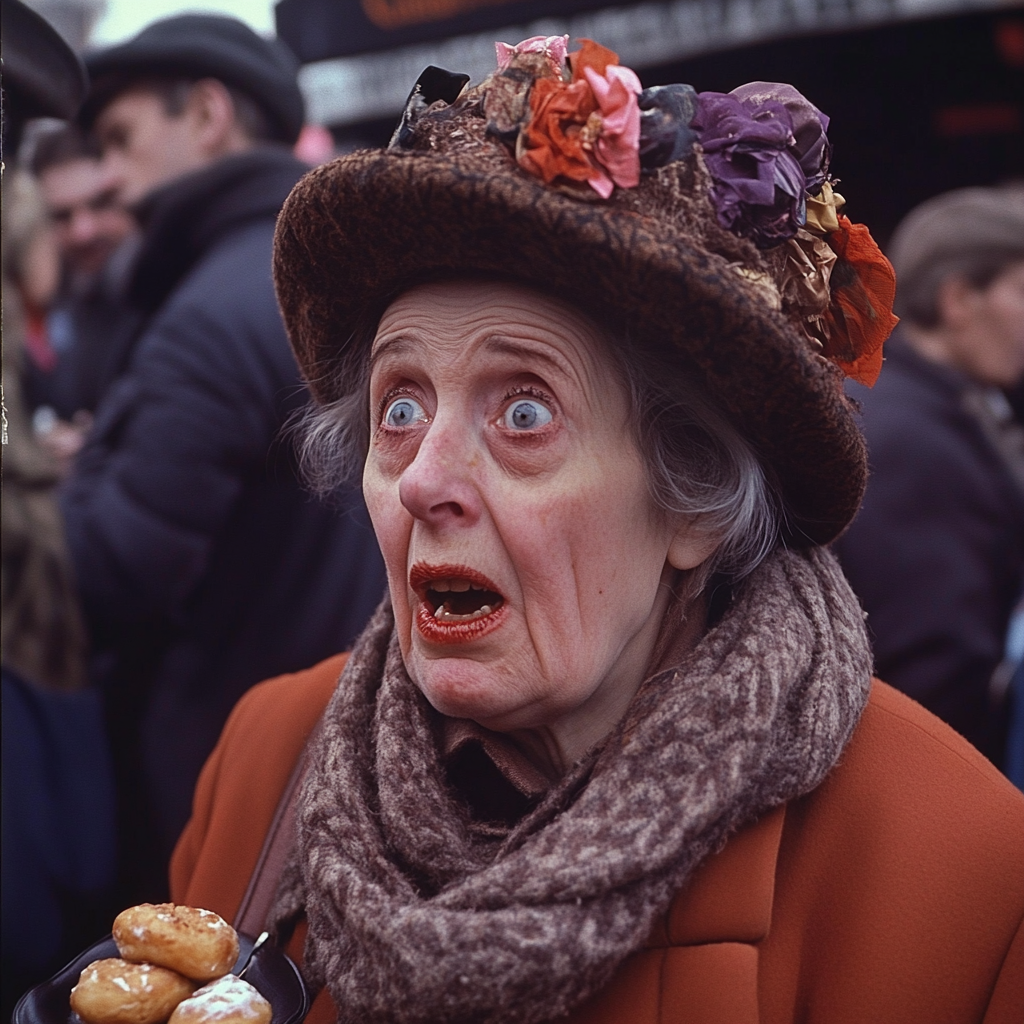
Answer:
(416, 916)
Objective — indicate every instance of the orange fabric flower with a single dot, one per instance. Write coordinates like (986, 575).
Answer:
(590, 55)
(554, 137)
(565, 123)
(859, 317)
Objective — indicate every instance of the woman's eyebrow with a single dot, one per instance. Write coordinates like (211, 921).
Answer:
(546, 354)
(389, 346)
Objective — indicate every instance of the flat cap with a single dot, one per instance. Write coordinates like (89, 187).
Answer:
(956, 223)
(969, 232)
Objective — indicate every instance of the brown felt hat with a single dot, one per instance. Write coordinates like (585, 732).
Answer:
(653, 261)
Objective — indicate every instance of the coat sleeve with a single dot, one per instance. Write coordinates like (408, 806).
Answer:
(1007, 1003)
(175, 440)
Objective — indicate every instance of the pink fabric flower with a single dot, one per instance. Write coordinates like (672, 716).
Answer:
(617, 148)
(553, 47)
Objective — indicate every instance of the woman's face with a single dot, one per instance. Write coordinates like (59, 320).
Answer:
(525, 557)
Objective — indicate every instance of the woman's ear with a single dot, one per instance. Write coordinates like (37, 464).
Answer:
(691, 545)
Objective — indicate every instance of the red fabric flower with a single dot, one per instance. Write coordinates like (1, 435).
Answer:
(566, 124)
(554, 137)
(590, 55)
(859, 317)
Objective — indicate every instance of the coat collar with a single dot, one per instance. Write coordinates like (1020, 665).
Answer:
(731, 894)
(184, 218)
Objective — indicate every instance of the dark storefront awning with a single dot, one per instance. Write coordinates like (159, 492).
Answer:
(361, 55)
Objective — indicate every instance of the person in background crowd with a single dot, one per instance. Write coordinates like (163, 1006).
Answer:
(936, 554)
(88, 315)
(203, 564)
(58, 805)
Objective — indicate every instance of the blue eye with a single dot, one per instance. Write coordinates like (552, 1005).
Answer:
(403, 412)
(526, 414)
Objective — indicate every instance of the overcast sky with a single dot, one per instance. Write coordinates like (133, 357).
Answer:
(125, 17)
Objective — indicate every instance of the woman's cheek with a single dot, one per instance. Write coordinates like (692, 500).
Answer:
(390, 519)
(522, 456)
(391, 451)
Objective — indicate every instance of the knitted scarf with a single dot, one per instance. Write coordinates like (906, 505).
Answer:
(416, 916)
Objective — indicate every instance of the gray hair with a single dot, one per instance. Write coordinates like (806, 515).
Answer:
(698, 465)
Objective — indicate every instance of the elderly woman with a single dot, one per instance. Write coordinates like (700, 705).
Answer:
(609, 747)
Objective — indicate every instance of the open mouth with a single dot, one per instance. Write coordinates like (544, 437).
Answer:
(456, 602)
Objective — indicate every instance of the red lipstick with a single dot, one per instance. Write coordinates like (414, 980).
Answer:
(457, 604)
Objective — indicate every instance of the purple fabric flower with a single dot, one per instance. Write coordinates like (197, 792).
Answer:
(752, 154)
(813, 149)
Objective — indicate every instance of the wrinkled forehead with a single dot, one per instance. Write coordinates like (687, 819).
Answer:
(459, 313)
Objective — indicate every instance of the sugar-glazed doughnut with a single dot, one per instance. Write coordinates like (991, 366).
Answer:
(196, 943)
(117, 992)
(228, 1000)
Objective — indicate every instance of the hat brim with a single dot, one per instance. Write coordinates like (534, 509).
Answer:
(361, 228)
(49, 79)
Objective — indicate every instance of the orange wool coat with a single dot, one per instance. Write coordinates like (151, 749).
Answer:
(892, 894)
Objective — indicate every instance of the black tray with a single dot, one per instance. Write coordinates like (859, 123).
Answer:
(271, 972)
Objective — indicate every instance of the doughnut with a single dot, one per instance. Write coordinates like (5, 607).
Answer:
(117, 992)
(228, 1000)
(196, 943)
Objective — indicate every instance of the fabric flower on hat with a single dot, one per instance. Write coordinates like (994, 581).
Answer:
(823, 210)
(811, 146)
(552, 147)
(617, 147)
(804, 284)
(554, 48)
(588, 129)
(750, 151)
(665, 133)
(859, 316)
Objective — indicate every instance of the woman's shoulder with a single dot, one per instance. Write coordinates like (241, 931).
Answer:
(286, 707)
(899, 739)
(242, 782)
(907, 865)
(914, 788)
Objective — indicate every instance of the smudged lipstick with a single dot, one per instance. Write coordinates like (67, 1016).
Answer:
(457, 604)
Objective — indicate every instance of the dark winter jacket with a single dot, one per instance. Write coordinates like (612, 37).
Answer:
(936, 553)
(204, 566)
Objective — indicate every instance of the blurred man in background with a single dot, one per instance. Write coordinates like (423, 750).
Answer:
(936, 553)
(88, 319)
(203, 565)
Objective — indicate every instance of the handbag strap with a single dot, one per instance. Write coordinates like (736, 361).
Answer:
(253, 911)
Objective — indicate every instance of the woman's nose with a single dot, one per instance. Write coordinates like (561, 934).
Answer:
(438, 486)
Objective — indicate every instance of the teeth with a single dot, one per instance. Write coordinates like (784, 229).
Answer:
(459, 586)
(442, 614)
